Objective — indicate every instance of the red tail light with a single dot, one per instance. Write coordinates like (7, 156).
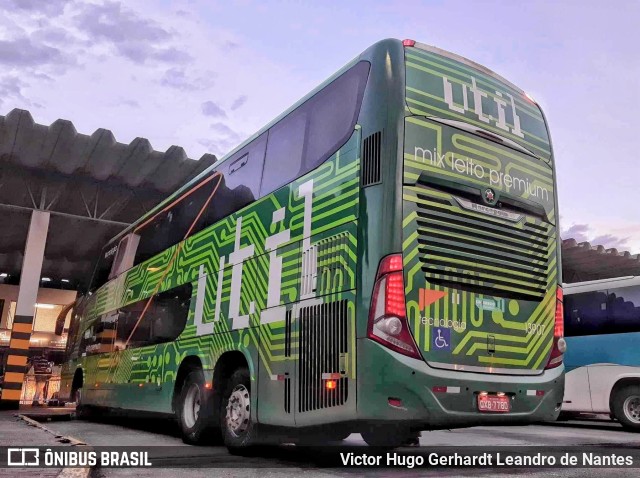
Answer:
(388, 313)
(559, 345)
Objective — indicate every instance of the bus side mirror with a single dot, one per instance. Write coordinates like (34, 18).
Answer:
(62, 316)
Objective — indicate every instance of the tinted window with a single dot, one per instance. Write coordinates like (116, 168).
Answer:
(314, 131)
(170, 226)
(586, 313)
(283, 162)
(163, 321)
(103, 267)
(624, 310)
(243, 171)
(614, 311)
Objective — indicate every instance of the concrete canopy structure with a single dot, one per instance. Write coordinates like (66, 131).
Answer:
(92, 186)
(584, 262)
(63, 195)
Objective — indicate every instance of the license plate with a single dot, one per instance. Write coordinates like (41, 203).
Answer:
(494, 403)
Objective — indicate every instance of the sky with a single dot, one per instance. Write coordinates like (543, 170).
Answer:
(205, 75)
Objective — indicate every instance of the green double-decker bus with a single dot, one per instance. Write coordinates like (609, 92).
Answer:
(382, 258)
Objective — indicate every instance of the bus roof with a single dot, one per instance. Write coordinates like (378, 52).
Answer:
(318, 88)
(588, 286)
(262, 130)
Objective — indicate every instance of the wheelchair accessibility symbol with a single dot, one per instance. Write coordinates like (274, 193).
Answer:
(441, 338)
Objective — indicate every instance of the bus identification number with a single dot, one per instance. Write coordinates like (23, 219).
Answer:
(535, 329)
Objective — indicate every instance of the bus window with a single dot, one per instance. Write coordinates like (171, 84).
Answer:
(585, 313)
(243, 171)
(284, 151)
(104, 266)
(624, 310)
(163, 321)
(331, 115)
(170, 225)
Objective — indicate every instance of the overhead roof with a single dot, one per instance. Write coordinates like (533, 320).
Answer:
(583, 261)
(93, 185)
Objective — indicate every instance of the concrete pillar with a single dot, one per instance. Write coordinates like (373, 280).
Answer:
(16, 362)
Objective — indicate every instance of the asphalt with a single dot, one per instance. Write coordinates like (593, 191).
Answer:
(290, 461)
(16, 431)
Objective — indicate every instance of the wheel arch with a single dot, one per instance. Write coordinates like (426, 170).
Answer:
(78, 379)
(226, 364)
(620, 384)
(188, 363)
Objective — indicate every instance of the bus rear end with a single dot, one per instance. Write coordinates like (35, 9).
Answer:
(465, 323)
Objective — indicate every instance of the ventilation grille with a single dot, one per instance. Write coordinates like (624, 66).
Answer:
(323, 338)
(482, 254)
(371, 159)
(287, 395)
(287, 353)
(333, 255)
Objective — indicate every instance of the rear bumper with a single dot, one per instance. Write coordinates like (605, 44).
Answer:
(384, 374)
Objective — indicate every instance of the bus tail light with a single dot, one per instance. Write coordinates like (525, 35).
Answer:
(388, 314)
(559, 345)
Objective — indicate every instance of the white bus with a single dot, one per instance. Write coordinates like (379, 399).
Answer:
(602, 330)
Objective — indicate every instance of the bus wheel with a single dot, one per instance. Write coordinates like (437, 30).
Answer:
(83, 411)
(386, 436)
(626, 407)
(238, 429)
(193, 409)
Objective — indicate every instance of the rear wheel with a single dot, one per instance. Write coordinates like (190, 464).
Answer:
(388, 436)
(194, 409)
(626, 407)
(239, 431)
(83, 411)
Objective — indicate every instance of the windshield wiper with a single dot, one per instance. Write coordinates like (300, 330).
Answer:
(487, 135)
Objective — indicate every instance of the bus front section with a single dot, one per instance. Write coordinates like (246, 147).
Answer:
(465, 324)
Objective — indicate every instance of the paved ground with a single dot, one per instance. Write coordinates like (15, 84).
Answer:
(127, 432)
(14, 431)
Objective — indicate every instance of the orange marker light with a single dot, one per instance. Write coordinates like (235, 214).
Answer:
(331, 384)
(208, 386)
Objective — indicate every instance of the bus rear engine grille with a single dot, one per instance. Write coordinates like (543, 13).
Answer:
(323, 339)
(484, 255)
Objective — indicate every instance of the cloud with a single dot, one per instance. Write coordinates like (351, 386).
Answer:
(209, 108)
(11, 87)
(224, 141)
(584, 233)
(176, 78)
(50, 8)
(577, 232)
(110, 21)
(238, 102)
(135, 37)
(610, 241)
(23, 52)
(223, 129)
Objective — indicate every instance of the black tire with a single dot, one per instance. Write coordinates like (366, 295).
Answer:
(83, 411)
(237, 424)
(565, 416)
(194, 409)
(386, 436)
(319, 439)
(626, 407)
